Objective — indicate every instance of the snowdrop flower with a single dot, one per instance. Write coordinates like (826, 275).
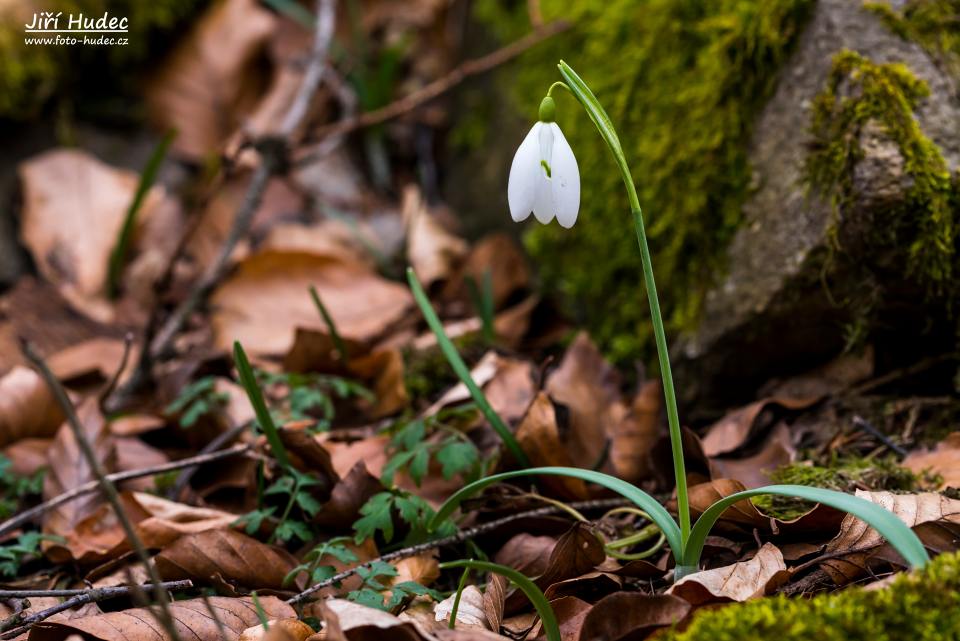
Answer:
(544, 177)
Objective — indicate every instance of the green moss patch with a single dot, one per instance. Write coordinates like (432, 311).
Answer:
(931, 23)
(682, 82)
(920, 606)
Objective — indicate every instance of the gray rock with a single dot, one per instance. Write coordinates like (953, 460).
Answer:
(771, 313)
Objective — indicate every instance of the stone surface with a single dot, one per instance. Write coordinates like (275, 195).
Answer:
(771, 310)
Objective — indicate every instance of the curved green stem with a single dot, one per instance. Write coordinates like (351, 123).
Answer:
(462, 371)
(602, 121)
(540, 603)
(456, 600)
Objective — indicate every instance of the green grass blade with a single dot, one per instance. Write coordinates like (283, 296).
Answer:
(895, 531)
(482, 298)
(462, 371)
(338, 343)
(249, 382)
(119, 253)
(658, 514)
(539, 601)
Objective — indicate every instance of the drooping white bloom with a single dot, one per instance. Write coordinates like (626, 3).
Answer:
(544, 178)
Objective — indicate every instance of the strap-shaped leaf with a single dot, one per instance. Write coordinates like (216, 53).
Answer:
(895, 531)
(658, 514)
(539, 601)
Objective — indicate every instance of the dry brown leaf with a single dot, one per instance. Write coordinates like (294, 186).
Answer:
(509, 397)
(356, 622)
(268, 297)
(134, 454)
(332, 238)
(74, 207)
(28, 455)
(926, 512)
(98, 356)
(283, 630)
(165, 521)
(527, 553)
(589, 387)
(27, 408)
(539, 438)
(422, 568)
(347, 497)
(384, 370)
(570, 613)
(737, 582)
(230, 556)
(433, 252)
(498, 256)
(577, 552)
(754, 470)
(634, 435)
(736, 428)
(494, 598)
(210, 80)
(470, 614)
(631, 615)
(192, 620)
(944, 460)
(68, 470)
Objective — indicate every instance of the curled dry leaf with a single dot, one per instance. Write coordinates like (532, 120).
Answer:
(74, 207)
(210, 81)
(191, 618)
(268, 296)
(634, 435)
(494, 599)
(422, 568)
(68, 470)
(931, 515)
(384, 370)
(355, 622)
(282, 630)
(539, 437)
(944, 460)
(238, 559)
(632, 615)
(470, 613)
(498, 256)
(433, 252)
(738, 582)
(27, 408)
(589, 387)
(754, 471)
(736, 428)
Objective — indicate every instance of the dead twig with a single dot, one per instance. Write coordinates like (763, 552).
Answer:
(77, 598)
(106, 486)
(117, 477)
(441, 85)
(459, 537)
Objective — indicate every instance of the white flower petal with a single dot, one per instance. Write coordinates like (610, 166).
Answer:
(544, 206)
(524, 175)
(565, 180)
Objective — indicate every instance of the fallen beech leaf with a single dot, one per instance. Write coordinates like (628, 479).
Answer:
(191, 617)
(74, 206)
(754, 470)
(631, 615)
(100, 356)
(135, 424)
(737, 427)
(204, 87)
(433, 252)
(166, 520)
(27, 408)
(589, 387)
(134, 454)
(238, 559)
(332, 238)
(267, 297)
(506, 396)
(470, 612)
(384, 368)
(494, 598)
(577, 552)
(28, 455)
(498, 256)
(68, 470)
(539, 437)
(570, 612)
(919, 511)
(422, 568)
(347, 497)
(283, 630)
(943, 460)
(738, 582)
(633, 437)
(526, 553)
(360, 622)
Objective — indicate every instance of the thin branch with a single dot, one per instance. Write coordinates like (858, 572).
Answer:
(443, 84)
(107, 487)
(459, 537)
(78, 597)
(272, 159)
(117, 477)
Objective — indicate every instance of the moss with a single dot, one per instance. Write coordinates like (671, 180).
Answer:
(920, 606)
(861, 93)
(682, 82)
(931, 23)
(427, 373)
(31, 74)
(842, 474)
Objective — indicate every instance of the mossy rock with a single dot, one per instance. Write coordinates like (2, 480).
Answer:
(920, 606)
(31, 74)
